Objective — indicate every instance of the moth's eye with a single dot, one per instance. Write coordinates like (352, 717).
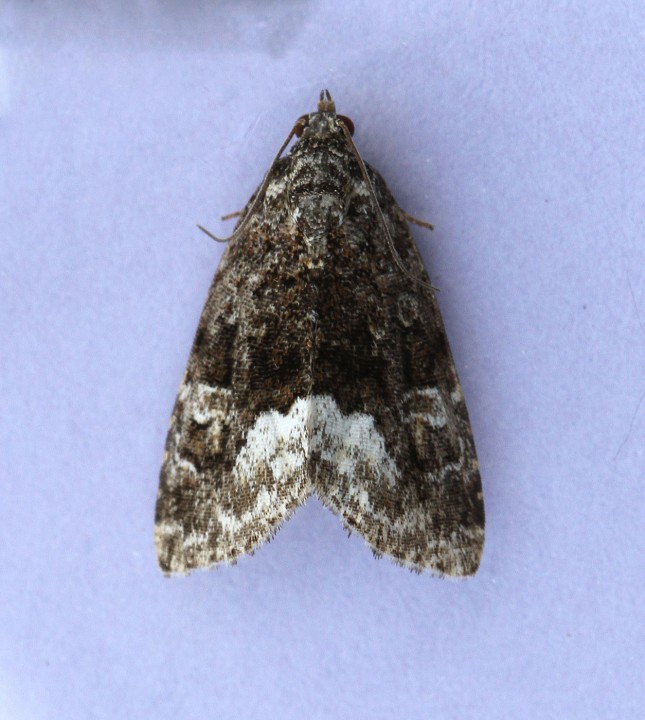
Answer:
(301, 124)
(347, 123)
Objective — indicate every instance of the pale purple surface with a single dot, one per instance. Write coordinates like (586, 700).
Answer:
(517, 129)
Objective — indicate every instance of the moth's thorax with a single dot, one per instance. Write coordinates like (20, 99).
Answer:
(321, 125)
(320, 177)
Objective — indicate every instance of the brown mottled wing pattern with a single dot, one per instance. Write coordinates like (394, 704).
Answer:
(422, 503)
(250, 356)
(319, 365)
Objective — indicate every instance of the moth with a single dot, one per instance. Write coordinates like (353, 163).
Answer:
(321, 366)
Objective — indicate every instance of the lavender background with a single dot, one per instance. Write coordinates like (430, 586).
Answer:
(517, 129)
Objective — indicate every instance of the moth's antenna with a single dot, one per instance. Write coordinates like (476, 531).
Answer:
(379, 212)
(258, 196)
(326, 104)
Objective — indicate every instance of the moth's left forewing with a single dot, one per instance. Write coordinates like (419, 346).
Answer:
(225, 487)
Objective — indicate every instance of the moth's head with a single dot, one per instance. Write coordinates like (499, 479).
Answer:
(323, 121)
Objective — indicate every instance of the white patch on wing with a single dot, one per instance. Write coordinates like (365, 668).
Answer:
(435, 413)
(273, 471)
(350, 441)
(209, 403)
(267, 506)
(429, 414)
(314, 425)
(275, 188)
(210, 406)
(278, 448)
(277, 441)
